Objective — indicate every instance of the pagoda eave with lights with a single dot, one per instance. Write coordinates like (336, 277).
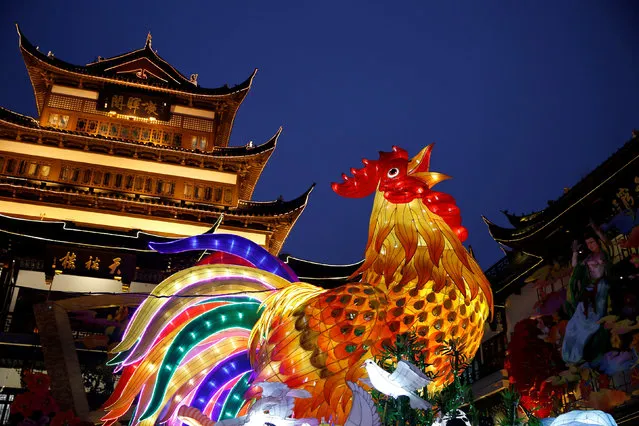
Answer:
(129, 143)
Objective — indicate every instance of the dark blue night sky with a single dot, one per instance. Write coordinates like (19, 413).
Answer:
(522, 98)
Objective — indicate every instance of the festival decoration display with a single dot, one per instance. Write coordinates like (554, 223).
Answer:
(208, 333)
(458, 418)
(37, 405)
(583, 418)
(580, 347)
(404, 381)
(363, 409)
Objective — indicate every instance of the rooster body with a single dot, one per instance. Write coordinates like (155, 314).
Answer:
(416, 277)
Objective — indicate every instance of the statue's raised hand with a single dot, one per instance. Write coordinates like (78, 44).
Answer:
(575, 246)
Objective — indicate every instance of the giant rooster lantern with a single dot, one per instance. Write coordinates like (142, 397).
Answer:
(207, 333)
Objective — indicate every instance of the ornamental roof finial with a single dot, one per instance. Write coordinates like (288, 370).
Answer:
(148, 40)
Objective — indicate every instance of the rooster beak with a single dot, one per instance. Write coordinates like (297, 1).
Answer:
(430, 178)
(421, 162)
(419, 166)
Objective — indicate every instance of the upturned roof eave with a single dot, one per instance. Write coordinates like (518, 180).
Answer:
(30, 51)
(583, 190)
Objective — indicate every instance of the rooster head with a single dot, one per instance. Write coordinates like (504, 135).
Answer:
(400, 179)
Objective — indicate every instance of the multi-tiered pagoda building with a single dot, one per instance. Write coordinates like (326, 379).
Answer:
(124, 150)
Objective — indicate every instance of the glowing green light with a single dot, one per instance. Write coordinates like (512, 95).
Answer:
(187, 339)
(235, 400)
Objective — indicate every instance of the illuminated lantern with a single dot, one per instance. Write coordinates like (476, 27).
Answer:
(206, 333)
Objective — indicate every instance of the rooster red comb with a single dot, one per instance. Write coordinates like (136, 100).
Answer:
(366, 180)
(403, 180)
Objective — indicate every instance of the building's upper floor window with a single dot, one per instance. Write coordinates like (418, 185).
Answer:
(59, 121)
(33, 169)
(198, 142)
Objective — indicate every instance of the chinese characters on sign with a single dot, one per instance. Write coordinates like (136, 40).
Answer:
(96, 263)
(135, 104)
(625, 197)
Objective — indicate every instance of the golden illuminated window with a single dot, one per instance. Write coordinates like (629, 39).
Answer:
(228, 195)
(188, 190)
(139, 183)
(156, 135)
(198, 142)
(32, 169)
(59, 121)
(44, 171)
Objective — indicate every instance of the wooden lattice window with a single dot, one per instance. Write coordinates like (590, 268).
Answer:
(198, 124)
(65, 102)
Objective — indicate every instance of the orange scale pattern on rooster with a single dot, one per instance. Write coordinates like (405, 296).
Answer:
(417, 276)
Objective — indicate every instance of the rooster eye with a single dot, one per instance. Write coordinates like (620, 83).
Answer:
(393, 172)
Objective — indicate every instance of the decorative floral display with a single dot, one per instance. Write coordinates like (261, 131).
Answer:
(37, 406)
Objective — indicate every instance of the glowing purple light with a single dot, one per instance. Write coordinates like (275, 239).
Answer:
(232, 244)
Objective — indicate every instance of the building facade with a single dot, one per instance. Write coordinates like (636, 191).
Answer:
(566, 294)
(124, 151)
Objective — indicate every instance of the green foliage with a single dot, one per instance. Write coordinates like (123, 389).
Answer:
(456, 394)
(510, 399)
(394, 412)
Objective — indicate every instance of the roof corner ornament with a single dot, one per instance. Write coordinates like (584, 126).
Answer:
(635, 134)
(149, 39)
(193, 79)
(250, 145)
(50, 54)
(100, 59)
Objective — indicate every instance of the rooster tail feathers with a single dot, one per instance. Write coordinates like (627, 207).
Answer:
(191, 327)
